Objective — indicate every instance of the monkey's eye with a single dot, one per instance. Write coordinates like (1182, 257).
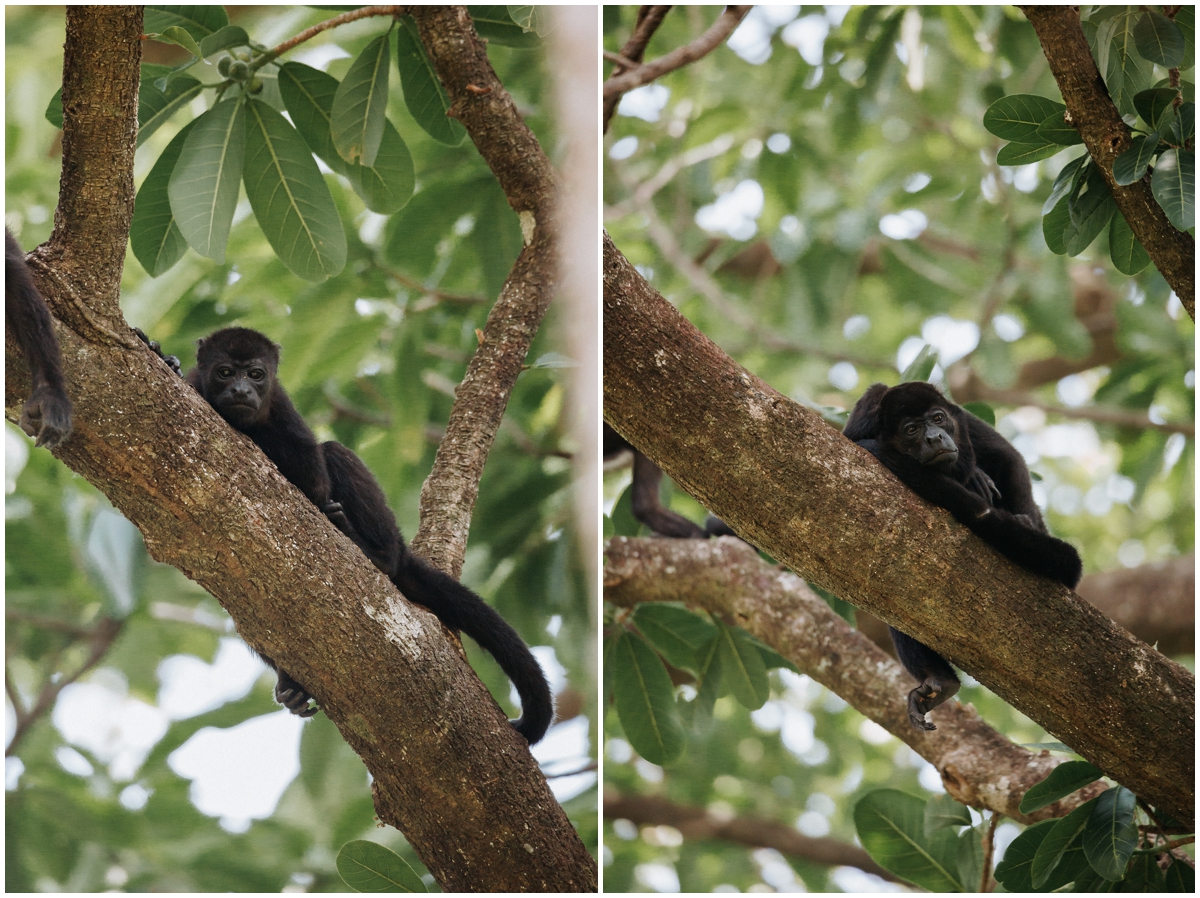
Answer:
(256, 374)
(225, 372)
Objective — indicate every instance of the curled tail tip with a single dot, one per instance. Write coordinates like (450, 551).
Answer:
(535, 719)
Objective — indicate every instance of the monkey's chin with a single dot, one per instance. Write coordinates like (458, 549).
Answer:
(240, 415)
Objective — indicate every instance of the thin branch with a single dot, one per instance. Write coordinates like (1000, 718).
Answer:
(679, 57)
(648, 21)
(697, 823)
(308, 34)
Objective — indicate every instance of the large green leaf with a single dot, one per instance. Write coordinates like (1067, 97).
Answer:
(1090, 208)
(1174, 186)
(369, 867)
(743, 668)
(1054, 226)
(198, 21)
(494, 24)
(645, 701)
(1056, 130)
(386, 186)
(1126, 73)
(1131, 165)
(1159, 39)
(677, 633)
(1025, 153)
(1156, 106)
(891, 827)
(1066, 182)
(360, 105)
(1059, 783)
(156, 106)
(204, 184)
(155, 239)
(1125, 250)
(1111, 833)
(423, 92)
(290, 198)
(1017, 117)
(1058, 841)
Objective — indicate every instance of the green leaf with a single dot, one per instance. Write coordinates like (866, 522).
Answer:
(1025, 153)
(677, 634)
(229, 36)
(54, 110)
(533, 18)
(156, 106)
(1065, 182)
(554, 360)
(308, 93)
(180, 36)
(1090, 209)
(423, 92)
(942, 811)
(969, 858)
(1131, 165)
(1058, 841)
(198, 21)
(743, 668)
(204, 184)
(155, 239)
(360, 105)
(369, 867)
(495, 25)
(1159, 39)
(1126, 72)
(1183, 128)
(496, 237)
(708, 684)
(1111, 833)
(1125, 250)
(1014, 872)
(921, 367)
(1059, 783)
(890, 826)
(290, 198)
(1055, 130)
(645, 701)
(1017, 117)
(1174, 186)
(982, 410)
(1054, 227)
(1155, 106)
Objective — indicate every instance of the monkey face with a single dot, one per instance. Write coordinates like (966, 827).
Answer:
(239, 391)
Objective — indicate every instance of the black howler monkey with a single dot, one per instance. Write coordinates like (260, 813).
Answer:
(236, 372)
(953, 459)
(47, 411)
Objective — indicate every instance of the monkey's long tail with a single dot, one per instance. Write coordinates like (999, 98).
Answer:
(460, 609)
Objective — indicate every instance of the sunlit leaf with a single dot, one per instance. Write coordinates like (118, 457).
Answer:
(155, 239)
(369, 867)
(423, 92)
(645, 701)
(360, 105)
(1017, 117)
(1174, 186)
(891, 828)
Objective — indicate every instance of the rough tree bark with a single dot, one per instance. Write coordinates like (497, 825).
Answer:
(448, 769)
(792, 485)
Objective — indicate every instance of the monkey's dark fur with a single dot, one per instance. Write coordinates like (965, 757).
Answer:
(236, 373)
(949, 457)
(47, 411)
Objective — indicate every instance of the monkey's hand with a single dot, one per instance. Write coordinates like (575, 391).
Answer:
(293, 696)
(47, 416)
(172, 361)
(333, 511)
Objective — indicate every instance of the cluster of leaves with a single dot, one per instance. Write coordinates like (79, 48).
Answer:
(190, 195)
(1097, 847)
(1127, 43)
(641, 648)
(934, 845)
